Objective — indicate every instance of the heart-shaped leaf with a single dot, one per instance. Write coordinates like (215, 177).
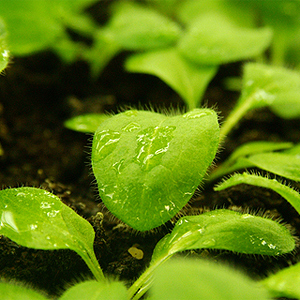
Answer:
(148, 165)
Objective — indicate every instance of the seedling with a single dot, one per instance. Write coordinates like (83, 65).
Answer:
(148, 165)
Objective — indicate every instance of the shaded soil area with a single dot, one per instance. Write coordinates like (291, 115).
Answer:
(38, 93)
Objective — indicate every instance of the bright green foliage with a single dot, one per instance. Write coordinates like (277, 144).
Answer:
(285, 283)
(4, 53)
(139, 159)
(202, 280)
(228, 230)
(292, 196)
(187, 79)
(137, 27)
(239, 158)
(276, 87)
(37, 219)
(266, 86)
(10, 291)
(94, 290)
(283, 17)
(188, 10)
(37, 25)
(86, 123)
(285, 165)
(212, 39)
(219, 229)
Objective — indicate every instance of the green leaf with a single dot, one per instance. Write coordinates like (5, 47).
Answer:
(37, 25)
(285, 283)
(186, 279)
(10, 291)
(104, 48)
(37, 219)
(219, 229)
(4, 53)
(228, 230)
(286, 192)
(188, 10)
(266, 86)
(237, 159)
(94, 290)
(86, 123)
(285, 165)
(137, 27)
(276, 87)
(214, 39)
(187, 79)
(148, 165)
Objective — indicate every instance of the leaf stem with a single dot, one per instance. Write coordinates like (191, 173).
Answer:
(234, 117)
(92, 262)
(142, 284)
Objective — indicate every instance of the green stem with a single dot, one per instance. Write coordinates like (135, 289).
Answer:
(142, 284)
(92, 262)
(234, 117)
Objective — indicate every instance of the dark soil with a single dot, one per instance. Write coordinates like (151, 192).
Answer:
(38, 93)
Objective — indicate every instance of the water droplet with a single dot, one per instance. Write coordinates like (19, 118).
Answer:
(8, 221)
(118, 166)
(197, 113)
(246, 216)
(44, 205)
(130, 113)
(33, 226)
(106, 142)
(52, 213)
(21, 195)
(131, 127)
(209, 243)
(152, 143)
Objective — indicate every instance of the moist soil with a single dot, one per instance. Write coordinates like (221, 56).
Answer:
(38, 93)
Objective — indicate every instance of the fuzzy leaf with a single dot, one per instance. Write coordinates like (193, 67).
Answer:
(228, 230)
(95, 290)
(186, 279)
(10, 291)
(237, 159)
(136, 27)
(187, 79)
(37, 219)
(86, 123)
(214, 39)
(218, 229)
(140, 161)
(286, 192)
(285, 283)
(285, 165)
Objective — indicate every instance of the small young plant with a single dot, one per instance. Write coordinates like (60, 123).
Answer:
(37, 219)
(139, 159)
(148, 165)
